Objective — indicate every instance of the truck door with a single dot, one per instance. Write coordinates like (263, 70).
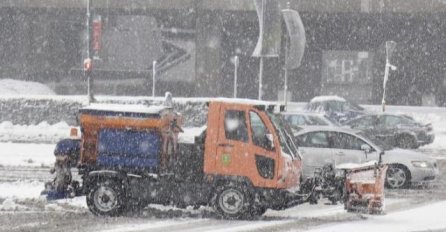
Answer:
(232, 142)
(243, 152)
(263, 151)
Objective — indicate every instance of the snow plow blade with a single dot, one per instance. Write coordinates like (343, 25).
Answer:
(364, 188)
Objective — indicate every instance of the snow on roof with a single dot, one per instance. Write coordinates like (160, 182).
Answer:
(154, 109)
(243, 101)
(17, 87)
(328, 128)
(327, 98)
(305, 113)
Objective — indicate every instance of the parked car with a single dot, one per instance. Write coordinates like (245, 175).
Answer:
(335, 107)
(396, 130)
(308, 119)
(322, 146)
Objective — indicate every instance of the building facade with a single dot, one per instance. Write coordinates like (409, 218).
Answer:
(194, 41)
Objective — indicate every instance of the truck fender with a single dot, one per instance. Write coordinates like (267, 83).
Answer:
(100, 175)
(221, 180)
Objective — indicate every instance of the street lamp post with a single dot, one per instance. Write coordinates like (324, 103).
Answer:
(390, 47)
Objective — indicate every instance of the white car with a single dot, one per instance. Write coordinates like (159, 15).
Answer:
(308, 119)
(321, 146)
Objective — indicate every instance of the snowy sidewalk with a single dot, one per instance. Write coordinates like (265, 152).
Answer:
(424, 218)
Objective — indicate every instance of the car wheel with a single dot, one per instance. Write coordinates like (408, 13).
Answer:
(407, 142)
(106, 198)
(232, 201)
(397, 176)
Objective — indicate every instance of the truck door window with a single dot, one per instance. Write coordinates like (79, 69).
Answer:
(259, 132)
(235, 125)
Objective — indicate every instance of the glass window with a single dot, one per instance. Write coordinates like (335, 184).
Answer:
(345, 141)
(296, 120)
(364, 122)
(391, 121)
(314, 139)
(285, 134)
(259, 132)
(235, 125)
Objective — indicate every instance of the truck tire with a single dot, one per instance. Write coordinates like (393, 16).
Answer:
(233, 201)
(106, 198)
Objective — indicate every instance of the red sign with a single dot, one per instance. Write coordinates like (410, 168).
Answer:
(97, 34)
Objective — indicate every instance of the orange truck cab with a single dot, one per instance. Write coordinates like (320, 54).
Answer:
(243, 163)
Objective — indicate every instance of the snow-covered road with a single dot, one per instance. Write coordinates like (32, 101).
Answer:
(24, 168)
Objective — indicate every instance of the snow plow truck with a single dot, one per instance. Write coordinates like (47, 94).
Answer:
(241, 164)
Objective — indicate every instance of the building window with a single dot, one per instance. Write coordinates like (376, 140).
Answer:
(345, 69)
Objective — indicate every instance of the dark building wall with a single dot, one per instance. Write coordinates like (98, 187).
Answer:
(46, 43)
(419, 54)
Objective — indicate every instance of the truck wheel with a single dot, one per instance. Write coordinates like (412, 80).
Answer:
(232, 202)
(106, 198)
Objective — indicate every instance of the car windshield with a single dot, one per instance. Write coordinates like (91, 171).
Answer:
(285, 134)
(377, 142)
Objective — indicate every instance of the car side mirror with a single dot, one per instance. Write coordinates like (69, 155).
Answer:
(366, 148)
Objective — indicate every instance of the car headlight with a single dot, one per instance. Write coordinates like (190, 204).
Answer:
(421, 164)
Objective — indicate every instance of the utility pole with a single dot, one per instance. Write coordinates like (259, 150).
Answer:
(285, 86)
(390, 47)
(153, 78)
(236, 63)
(88, 62)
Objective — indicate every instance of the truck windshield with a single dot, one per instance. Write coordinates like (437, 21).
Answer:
(285, 134)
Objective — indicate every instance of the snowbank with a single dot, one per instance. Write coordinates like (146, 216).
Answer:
(10, 205)
(16, 87)
(21, 189)
(40, 133)
(30, 155)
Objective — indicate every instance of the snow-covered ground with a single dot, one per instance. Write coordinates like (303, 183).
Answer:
(428, 217)
(40, 133)
(29, 154)
(24, 169)
(12, 87)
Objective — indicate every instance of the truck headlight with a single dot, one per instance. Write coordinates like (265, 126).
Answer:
(421, 164)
